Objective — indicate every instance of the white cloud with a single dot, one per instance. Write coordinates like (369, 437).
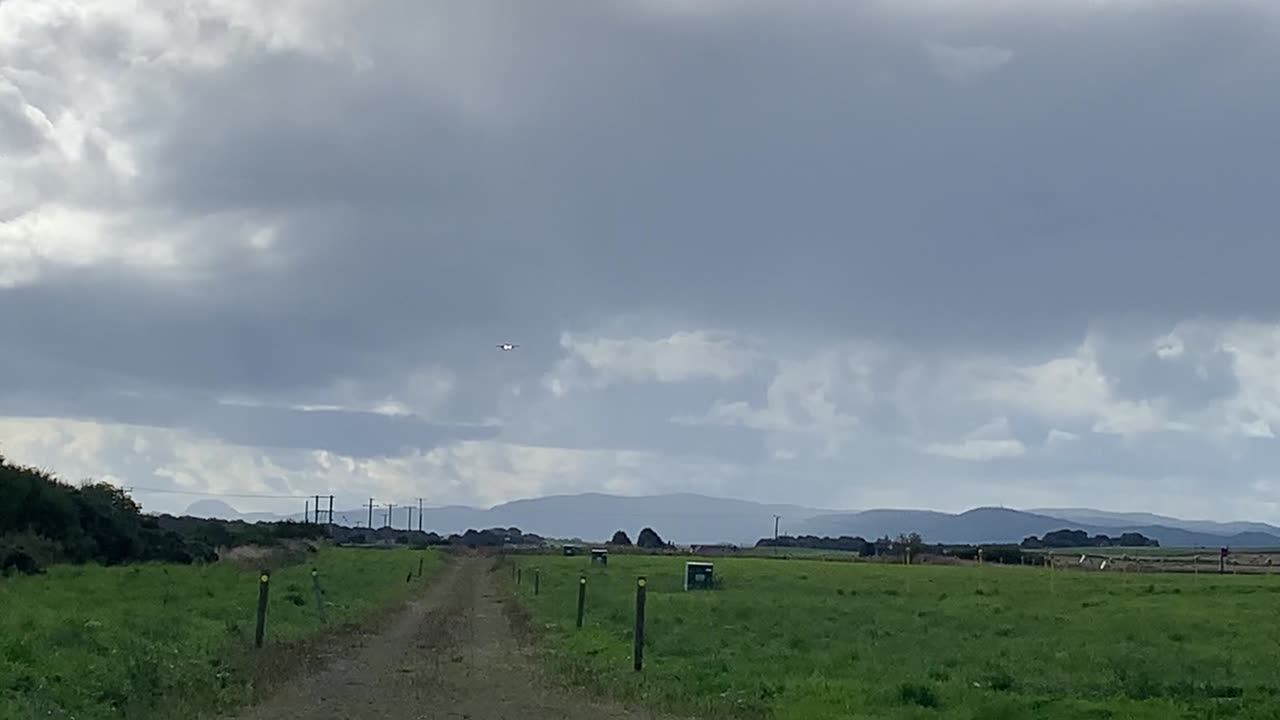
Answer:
(420, 393)
(813, 396)
(815, 409)
(72, 78)
(1075, 388)
(68, 236)
(1170, 346)
(680, 357)
(1060, 438)
(1254, 409)
(989, 442)
(978, 450)
(480, 473)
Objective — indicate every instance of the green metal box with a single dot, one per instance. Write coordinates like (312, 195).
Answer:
(698, 575)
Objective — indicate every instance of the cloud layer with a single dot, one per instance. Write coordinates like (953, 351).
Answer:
(839, 254)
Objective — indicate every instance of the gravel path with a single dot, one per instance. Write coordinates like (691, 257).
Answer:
(450, 654)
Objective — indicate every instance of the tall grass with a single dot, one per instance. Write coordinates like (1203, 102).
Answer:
(161, 641)
(815, 640)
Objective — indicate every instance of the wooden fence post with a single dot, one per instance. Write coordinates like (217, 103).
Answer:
(639, 634)
(315, 582)
(264, 586)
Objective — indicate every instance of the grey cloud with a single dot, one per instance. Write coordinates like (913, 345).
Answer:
(18, 134)
(355, 434)
(870, 195)
(631, 418)
(796, 171)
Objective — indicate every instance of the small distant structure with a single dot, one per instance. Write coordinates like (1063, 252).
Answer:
(571, 550)
(698, 575)
(713, 549)
(599, 556)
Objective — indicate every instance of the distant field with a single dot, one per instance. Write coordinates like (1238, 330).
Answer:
(1211, 553)
(170, 640)
(806, 553)
(817, 640)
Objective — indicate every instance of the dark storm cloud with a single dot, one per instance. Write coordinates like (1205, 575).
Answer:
(807, 168)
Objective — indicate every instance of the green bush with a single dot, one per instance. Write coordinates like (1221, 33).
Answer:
(45, 521)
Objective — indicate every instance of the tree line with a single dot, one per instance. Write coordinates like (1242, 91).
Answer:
(44, 520)
(1080, 539)
(914, 544)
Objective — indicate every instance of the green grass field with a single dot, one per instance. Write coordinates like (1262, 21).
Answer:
(162, 641)
(815, 640)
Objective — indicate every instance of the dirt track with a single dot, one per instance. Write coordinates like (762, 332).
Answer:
(450, 654)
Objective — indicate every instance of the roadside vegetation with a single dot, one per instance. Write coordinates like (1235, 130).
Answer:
(107, 612)
(166, 641)
(45, 521)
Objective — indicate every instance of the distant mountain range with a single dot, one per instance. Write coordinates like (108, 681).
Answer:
(682, 518)
(219, 509)
(1001, 525)
(698, 519)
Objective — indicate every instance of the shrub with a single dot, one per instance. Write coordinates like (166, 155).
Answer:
(914, 694)
(649, 539)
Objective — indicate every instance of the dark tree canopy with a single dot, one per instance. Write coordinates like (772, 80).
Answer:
(844, 542)
(44, 521)
(1080, 538)
(620, 538)
(649, 539)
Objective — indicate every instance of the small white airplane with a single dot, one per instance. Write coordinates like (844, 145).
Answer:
(506, 347)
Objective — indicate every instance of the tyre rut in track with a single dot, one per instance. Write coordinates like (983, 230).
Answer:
(450, 655)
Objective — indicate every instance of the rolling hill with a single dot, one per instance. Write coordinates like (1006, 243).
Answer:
(1001, 525)
(695, 519)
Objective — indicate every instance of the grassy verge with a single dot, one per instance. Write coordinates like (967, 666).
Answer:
(161, 641)
(815, 640)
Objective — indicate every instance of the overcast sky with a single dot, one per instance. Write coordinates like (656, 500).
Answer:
(845, 254)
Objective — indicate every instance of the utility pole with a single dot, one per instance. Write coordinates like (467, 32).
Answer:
(306, 514)
(317, 509)
(419, 514)
(370, 513)
(776, 518)
(408, 525)
(391, 515)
